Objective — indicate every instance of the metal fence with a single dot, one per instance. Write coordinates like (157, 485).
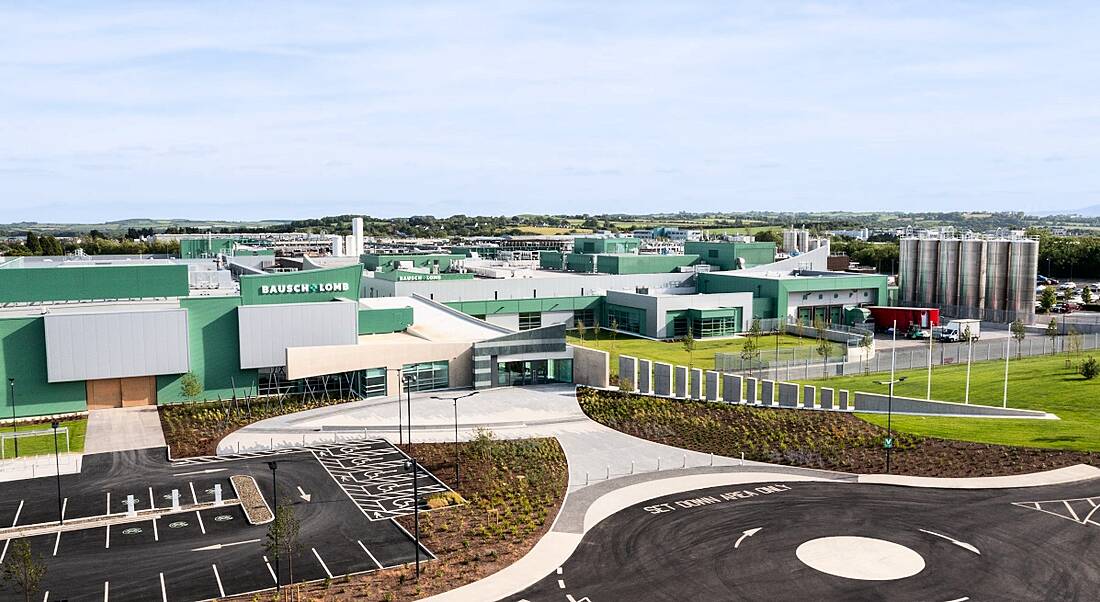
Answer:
(943, 354)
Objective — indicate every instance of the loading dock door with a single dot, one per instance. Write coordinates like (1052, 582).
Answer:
(122, 392)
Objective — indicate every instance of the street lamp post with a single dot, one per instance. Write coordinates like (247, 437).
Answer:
(454, 400)
(889, 414)
(411, 464)
(14, 428)
(274, 516)
(57, 463)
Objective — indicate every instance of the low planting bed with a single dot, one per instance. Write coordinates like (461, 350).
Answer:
(194, 429)
(513, 491)
(811, 439)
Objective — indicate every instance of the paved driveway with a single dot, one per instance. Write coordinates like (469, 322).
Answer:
(594, 451)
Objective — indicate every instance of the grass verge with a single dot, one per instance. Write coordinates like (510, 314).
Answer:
(1039, 383)
(824, 440)
(514, 489)
(673, 352)
(36, 446)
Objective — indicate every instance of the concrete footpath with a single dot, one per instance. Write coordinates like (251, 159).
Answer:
(121, 429)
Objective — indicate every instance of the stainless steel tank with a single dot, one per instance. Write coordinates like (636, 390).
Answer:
(996, 275)
(1023, 266)
(928, 260)
(947, 289)
(908, 257)
(971, 274)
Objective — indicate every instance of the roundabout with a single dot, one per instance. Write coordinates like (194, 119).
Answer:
(837, 541)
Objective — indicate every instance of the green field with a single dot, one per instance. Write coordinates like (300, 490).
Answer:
(1040, 383)
(33, 446)
(673, 352)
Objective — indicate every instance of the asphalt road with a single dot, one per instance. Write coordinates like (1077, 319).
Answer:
(205, 554)
(923, 544)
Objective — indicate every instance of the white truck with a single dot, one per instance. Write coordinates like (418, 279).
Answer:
(955, 330)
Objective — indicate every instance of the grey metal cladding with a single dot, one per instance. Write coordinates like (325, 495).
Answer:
(547, 339)
(266, 331)
(92, 346)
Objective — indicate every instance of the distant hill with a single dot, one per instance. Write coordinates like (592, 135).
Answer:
(122, 225)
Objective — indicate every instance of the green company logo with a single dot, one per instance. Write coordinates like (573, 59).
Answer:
(297, 289)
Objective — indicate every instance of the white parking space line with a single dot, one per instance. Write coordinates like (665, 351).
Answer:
(56, 541)
(1070, 508)
(17, 512)
(64, 506)
(372, 558)
(152, 500)
(156, 534)
(274, 579)
(46, 598)
(202, 527)
(106, 589)
(4, 552)
(163, 591)
(108, 502)
(561, 584)
(218, 578)
(323, 565)
(107, 545)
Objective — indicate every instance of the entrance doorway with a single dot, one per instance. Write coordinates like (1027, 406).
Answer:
(122, 392)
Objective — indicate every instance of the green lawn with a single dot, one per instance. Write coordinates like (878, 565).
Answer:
(32, 446)
(673, 352)
(1040, 383)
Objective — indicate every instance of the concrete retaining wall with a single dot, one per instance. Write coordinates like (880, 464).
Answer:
(732, 389)
(767, 393)
(877, 403)
(751, 393)
(645, 377)
(591, 367)
(696, 383)
(680, 380)
(809, 396)
(628, 373)
(712, 385)
(662, 379)
(825, 396)
(788, 395)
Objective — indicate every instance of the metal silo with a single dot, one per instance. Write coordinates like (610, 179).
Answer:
(908, 257)
(947, 289)
(928, 260)
(971, 276)
(996, 275)
(1023, 266)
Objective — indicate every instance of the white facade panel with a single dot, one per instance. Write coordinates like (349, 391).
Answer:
(266, 331)
(93, 346)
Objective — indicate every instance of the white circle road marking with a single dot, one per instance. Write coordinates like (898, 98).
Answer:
(132, 531)
(862, 558)
(178, 524)
(221, 518)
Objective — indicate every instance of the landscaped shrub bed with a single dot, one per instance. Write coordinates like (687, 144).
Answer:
(812, 439)
(194, 429)
(513, 491)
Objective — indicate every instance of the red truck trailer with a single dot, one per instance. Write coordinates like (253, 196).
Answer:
(923, 317)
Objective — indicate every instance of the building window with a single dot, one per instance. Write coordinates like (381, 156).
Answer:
(679, 326)
(427, 376)
(530, 319)
(584, 316)
(626, 321)
(478, 316)
(372, 382)
(705, 328)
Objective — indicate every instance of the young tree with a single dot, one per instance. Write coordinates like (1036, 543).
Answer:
(613, 327)
(866, 343)
(596, 332)
(1089, 368)
(750, 350)
(24, 569)
(1018, 333)
(1047, 299)
(689, 346)
(1076, 342)
(282, 537)
(191, 386)
(1086, 295)
(823, 347)
(580, 330)
(1052, 332)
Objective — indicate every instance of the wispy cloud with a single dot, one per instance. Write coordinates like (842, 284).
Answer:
(292, 109)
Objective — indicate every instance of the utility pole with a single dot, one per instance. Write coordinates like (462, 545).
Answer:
(969, 356)
(412, 464)
(274, 514)
(1008, 348)
(14, 428)
(57, 463)
(928, 394)
(454, 400)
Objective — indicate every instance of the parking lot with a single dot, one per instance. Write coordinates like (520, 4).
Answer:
(209, 552)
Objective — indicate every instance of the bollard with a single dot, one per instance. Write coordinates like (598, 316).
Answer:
(685, 464)
(658, 464)
(632, 467)
(712, 459)
(217, 494)
(303, 439)
(271, 443)
(742, 458)
(608, 473)
(586, 477)
(238, 447)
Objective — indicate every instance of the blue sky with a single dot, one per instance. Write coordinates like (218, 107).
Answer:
(111, 110)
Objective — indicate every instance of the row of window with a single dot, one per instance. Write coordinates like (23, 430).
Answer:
(715, 327)
(427, 376)
(626, 321)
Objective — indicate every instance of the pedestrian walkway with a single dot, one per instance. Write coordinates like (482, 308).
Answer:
(120, 429)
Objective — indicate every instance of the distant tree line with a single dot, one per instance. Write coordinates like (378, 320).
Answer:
(92, 243)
